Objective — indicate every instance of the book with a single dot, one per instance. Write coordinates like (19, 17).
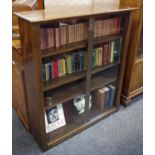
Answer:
(47, 71)
(43, 72)
(49, 37)
(55, 67)
(117, 50)
(112, 52)
(107, 97)
(112, 95)
(99, 99)
(50, 70)
(43, 34)
(54, 118)
(57, 37)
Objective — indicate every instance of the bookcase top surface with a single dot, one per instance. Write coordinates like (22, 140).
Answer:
(59, 12)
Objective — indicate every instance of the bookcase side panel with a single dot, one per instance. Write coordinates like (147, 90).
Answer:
(125, 43)
(33, 83)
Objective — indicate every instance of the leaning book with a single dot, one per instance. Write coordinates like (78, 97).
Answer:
(54, 118)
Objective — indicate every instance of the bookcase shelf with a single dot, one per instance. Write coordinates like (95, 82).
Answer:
(63, 80)
(57, 82)
(74, 46)
(65, 89)
(79, 89)
(77, 126)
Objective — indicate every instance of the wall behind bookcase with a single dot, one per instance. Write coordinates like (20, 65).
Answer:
(53, 3)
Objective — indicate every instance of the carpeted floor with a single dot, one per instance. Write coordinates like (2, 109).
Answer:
(118, 134)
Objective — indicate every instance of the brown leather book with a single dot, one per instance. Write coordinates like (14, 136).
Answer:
(99, 99)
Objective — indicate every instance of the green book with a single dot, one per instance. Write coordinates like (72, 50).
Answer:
(47, 72)
(112, 52)
(117, 50)
(99, 56)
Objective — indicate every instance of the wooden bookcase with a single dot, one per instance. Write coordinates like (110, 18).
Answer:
(75, 84)
(133, 79)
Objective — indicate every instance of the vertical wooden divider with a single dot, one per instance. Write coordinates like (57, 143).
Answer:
(89, 64)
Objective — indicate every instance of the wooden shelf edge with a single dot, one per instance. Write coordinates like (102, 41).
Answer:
(79, 92)
(81, 128)
(80, 75)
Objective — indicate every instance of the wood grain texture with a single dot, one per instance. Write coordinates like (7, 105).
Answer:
(18, 92)
(133, 79)
(68, 12)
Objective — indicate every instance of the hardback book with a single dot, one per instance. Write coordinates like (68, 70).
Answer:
(107, 97)
(99, 99)
(50, 70)
(57, 37)
(60, 68)
(99, 56)
(55, 67)
(49, 37)
(112, 52)
(47, 71)
(54, 118)
(43, 36)
(43, 72)
(112, 95)
(117, 50)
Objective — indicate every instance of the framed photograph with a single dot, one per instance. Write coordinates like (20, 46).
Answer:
(54, 118)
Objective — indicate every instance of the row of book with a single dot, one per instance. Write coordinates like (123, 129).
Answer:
(77, 61)
(103, 98)
(70, 33)
(107, 27)
(108, 53)
(63, 34)
(66, 64)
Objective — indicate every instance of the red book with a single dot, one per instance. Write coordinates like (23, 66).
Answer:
(56, 68)
(118, 25)
(57, 37)
(105, 54)
(43, 36)
(109, 52)
(49, 37)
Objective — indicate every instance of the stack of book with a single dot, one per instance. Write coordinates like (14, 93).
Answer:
(77, 61)
(107, 27)
(64, 33)
(103, 98)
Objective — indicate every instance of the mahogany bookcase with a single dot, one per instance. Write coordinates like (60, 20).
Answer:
(76, 84)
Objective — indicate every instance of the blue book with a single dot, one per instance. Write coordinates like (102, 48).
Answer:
(107, 97)
(112, 95)
(50, 69)
(73, 63)
(81, 61)
(43, 72)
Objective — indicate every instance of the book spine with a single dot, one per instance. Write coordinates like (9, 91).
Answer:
(43, 72)
(47, 72)
(107, 98)
(112, 95)
(56, 69)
